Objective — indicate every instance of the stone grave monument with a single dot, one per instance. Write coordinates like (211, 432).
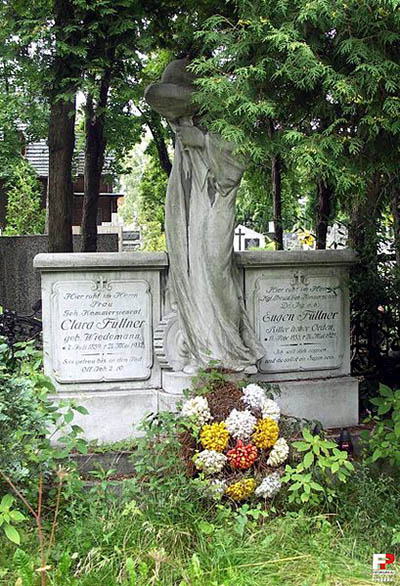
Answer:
(124, 332)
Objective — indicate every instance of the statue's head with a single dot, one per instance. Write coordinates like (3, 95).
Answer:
(172, 96)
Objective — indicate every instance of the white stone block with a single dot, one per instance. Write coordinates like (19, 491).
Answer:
(333, 402)
(113, 415)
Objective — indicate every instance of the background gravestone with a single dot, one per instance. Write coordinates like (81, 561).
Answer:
(19, 281)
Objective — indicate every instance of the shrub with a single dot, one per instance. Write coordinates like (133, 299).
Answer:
(29, 419)
(384, 442)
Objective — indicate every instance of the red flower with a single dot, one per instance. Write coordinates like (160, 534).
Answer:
(242, 456)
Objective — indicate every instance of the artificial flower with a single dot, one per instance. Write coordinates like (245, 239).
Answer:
(254, 396)
(242, 489)
(279, 453)
(198, 409)
(270, 409)
(266, 433)
(240, 424)
(214, 436)
(209, 461)
(270, 486)
(242, 456)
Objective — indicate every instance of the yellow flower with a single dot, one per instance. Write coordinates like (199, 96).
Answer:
(266, 433)
(214, 436)
(241, 490)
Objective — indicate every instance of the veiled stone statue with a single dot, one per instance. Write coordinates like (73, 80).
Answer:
(199, 224)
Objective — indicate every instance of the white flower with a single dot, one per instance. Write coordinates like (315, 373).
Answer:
(240, 424)
(270, 486)
(198, 409)
(254, 396)
(214, 489)
(279, 453)
(209, 461)
(270, 409)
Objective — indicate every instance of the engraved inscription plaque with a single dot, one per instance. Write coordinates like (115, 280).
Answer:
(299, 320)
(101, 329)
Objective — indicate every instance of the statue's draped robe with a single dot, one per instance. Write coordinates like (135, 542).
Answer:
(200, 223)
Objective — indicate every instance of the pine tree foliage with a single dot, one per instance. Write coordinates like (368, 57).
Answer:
(327, 72)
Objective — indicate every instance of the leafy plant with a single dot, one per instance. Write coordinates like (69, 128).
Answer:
(314, 478)
(30, 420)
(8, 517)
(384, 442)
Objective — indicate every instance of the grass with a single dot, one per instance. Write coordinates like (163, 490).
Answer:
(167, 536)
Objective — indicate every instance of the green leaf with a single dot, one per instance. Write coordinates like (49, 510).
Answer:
(206, 528)
(335, 467)
(68, 417)
(82, 410)
(82, 446)
(301, 446)
(307, 434)
(7, 501)
(330, 445)
(17, 516)
(308, 460)
(376, 401)
(376, 455)
(386, 391)
(12, 534)
(384, 408)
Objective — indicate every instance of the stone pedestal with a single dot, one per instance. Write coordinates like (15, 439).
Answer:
(298, 304)
(99, 315)
(101, 331)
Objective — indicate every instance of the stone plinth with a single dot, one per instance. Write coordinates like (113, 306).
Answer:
(101, 331)
(99, 314)
(298, 304)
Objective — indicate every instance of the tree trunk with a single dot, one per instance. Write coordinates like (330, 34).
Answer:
(163, 155)
(95, 146)
(365, 278)
(395, 208)
(324, 212)
(276, 178)
(276, 183)
(155, 127)
(61, 135)
(60, 188)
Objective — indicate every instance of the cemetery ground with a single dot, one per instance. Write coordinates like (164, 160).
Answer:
(157, 529)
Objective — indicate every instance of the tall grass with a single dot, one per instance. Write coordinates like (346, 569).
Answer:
(167, 536)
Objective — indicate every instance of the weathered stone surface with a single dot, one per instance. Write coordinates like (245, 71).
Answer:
(298, 303)
(333, 402)
(19, 281)
(313, 384)
(101, 329)
(199, 226)
(114, 415)
(99, 314)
